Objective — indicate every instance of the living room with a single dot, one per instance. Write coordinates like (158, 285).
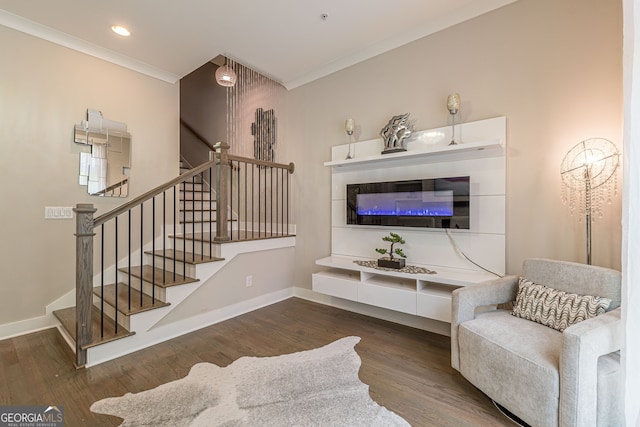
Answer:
(553, 69)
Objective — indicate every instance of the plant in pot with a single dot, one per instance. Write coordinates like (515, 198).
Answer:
(392, 261)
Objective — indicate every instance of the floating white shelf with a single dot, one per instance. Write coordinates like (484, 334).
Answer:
(461, 151)
(425, 295)
(443, 275)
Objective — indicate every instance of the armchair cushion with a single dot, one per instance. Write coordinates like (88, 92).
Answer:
(515, 362)
(553, 308)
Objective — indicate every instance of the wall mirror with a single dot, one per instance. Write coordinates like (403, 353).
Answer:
(105, 169)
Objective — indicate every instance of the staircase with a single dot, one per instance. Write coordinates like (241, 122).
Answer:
(147, 285)
(153, 252)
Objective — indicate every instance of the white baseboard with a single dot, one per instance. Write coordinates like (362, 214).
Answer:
(27, 326)
(435, 326)
(65, 301)
(122, 347)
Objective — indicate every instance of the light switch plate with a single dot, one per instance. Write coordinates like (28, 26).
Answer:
(58, 212)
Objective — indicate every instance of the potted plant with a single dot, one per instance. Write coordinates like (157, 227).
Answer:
(391, 261)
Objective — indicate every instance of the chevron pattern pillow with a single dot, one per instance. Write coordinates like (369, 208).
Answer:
(553, 308)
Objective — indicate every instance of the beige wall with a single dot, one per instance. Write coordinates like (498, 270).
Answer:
(45, 90)
(554, 69)
(271, 271)
(203, 104)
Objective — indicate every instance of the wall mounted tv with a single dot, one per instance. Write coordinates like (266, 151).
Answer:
(430, 203)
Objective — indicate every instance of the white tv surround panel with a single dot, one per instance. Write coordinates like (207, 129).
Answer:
(481, 156)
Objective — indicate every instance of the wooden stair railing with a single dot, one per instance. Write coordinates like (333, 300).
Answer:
(241, 190)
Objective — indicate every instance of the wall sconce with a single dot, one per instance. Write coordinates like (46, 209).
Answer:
(225, 76)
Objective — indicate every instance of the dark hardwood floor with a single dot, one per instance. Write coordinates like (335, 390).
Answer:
(408, 370)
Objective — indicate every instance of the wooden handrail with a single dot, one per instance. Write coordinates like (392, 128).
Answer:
(197, 135)
(162, 188)
(151, 193)
(290, 167)
(112, 187)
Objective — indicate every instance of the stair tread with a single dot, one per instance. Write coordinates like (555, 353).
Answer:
(123, 299)
(67, 318)
(146, 273)
(181, 256)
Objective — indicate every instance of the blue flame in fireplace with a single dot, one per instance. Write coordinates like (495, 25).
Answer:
(413, 203)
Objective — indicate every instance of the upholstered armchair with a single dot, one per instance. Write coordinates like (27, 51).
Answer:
(543, 376)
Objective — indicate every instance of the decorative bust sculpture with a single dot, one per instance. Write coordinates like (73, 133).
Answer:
(394, 133)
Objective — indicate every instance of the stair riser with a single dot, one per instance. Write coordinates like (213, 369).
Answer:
(147, 288)
(196, 246)
(206, 249)
(189, 186)
(199, 227)
(197, 215)
(190, 195)
(197, 205)
(109, 311)
(168, 265)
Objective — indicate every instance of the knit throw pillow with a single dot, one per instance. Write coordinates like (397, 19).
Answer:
(553, 308)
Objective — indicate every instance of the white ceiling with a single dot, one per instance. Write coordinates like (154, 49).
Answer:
(284, 39)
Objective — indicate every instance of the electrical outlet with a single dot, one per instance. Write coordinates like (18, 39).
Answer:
(248, 281)
(58, 212)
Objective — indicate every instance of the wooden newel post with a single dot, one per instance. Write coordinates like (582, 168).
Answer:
(222, 192)
(84, 279)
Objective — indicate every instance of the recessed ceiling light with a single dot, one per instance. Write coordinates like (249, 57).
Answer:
(122, 31)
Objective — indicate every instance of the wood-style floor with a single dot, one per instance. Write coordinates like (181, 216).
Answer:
(408, 370)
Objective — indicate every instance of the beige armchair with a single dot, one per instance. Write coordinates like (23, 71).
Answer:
(543, 376)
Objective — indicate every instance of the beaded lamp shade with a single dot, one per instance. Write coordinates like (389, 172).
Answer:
(589, 175)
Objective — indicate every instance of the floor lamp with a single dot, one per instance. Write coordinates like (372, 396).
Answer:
(589, 175)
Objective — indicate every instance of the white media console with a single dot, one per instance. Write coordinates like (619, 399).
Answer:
(481, 156)
(426, 295)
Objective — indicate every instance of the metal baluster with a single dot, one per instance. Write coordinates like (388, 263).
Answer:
(164, 237)
(101, 281)
(141, 248)
(153, 250)
(175, 232)
(115, 321)
(210, 212)
(259, 202)
(277, 193)
(193, 225)
(253, 200)
(246, 202)
(129, 261)
(202, 187)
(230, 217)
(271, 200)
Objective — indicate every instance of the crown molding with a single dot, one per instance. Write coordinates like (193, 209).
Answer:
(32, 28)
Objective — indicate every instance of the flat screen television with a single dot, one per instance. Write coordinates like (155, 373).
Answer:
(430, 203)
